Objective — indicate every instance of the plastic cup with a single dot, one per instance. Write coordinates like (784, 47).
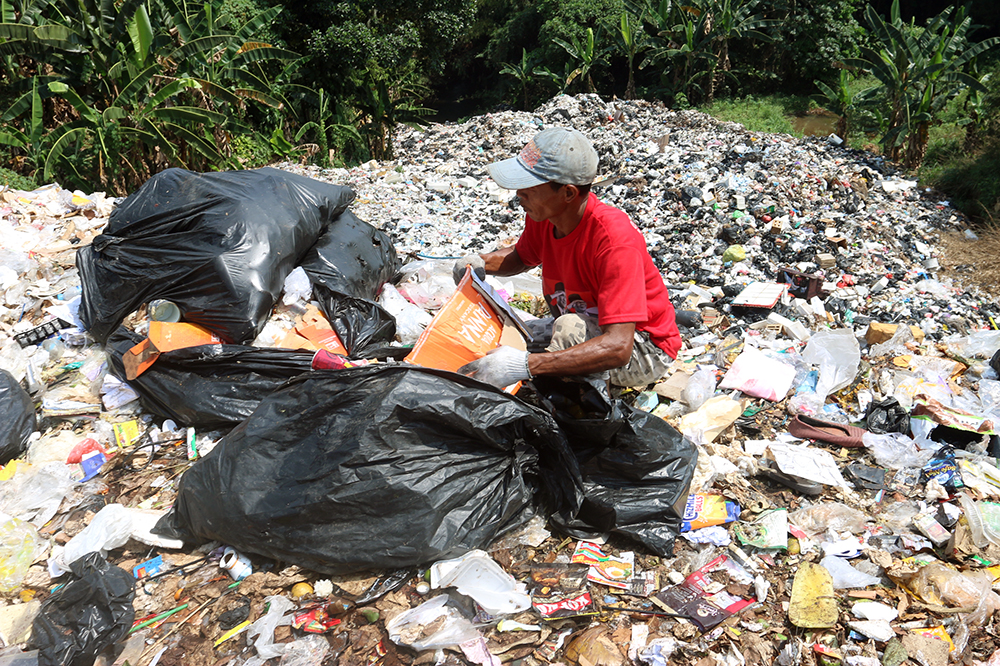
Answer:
(161, 310)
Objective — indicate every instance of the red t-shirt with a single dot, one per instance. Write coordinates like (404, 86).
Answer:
(602, 268)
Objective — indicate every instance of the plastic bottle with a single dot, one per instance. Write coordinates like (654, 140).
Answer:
(981, 535)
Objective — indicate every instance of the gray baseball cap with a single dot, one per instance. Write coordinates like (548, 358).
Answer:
(557, 155)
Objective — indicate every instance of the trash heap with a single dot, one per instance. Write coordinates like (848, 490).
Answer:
(215, 452)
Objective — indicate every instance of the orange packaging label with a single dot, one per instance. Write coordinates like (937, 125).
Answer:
(465, 329)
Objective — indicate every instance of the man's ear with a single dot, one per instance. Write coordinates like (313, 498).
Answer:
(572, 192)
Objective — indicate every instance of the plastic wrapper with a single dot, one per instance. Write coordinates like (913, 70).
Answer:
(978, 344)
(382, 466)
(409, 628)
(846, 577)
(210, 386)
(218, 245)
(703, 510)
(92, 611)
(828, 516)
(887, 416)
(939, 584)
(20, 546)
(17, 418)
(637, 469)
(896, 451)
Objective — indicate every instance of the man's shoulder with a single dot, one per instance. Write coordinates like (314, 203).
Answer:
(612, 220)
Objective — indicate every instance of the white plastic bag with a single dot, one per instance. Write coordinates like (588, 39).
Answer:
(276, 616)
(308, 651)
(406, 628)
(895, 450)
(410, 319)
(109, 529)
(838, 356)
(845, 576)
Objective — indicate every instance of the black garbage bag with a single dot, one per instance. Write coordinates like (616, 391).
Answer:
(348, 266)
(211, 386)
(92, 611)
(17, 418)
(636, 467)
(887, 416)
(362, 325)
(219, 245)
(378, 467)
(995, 362)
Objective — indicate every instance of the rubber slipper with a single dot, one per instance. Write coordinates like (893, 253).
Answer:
(806, 427)
(769, 470)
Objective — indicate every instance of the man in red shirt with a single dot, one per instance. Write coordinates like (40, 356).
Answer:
(611, 313)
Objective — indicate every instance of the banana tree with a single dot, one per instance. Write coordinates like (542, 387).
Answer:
(523, 72)
(918, 72)
(325, 126)
(634, 40)
(729, 20)
(839, 100)
(586, 54)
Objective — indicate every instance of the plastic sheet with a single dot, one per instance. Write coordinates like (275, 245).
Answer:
(278, 614)
(828, 516)
(218, 245)
(35, 492)
(411, 320)
(92, 611)
(109, 529)
(377, 467)
(700, 387)
(845, 576)
(210, 386)
(17, 418)
(759, 375)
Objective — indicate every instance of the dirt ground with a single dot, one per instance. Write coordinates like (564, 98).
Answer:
(970, 261)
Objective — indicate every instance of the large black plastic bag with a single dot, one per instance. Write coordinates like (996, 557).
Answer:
(211, 386)
(348, 266)
(17, 418)
(91, 612)
(636, 467)
(219, 245)
(380, 467)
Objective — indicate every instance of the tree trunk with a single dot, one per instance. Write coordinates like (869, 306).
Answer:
(630, 86)
(916, 146)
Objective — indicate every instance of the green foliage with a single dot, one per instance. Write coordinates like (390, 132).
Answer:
(758, 114)
(523, 72)
(147, 90)
(586, 57)
(839, 99)
(16, 181)
(970, 182)
(919, 71)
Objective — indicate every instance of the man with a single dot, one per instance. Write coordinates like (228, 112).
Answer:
(611, 313)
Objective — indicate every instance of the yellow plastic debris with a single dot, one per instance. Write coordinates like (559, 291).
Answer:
(813, 604)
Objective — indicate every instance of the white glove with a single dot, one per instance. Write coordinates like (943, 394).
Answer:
(474, 260)
(501, 367)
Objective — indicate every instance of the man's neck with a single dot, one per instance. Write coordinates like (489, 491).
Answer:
(570, 219)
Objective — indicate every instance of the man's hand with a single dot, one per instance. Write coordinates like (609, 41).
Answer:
(501, 367)
(474, 260)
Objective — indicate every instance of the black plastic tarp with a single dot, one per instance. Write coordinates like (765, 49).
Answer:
(384, 466)
(210, 386)
(219, 245)
(17, 418)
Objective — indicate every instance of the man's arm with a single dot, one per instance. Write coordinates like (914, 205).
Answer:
(611, 349)
(504, 262)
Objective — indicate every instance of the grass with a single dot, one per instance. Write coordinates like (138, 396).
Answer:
(768, 113)
(16, 181)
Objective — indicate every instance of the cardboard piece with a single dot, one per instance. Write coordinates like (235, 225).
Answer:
(760, 295)
(313, 332)
(674, 386)
(878, 332)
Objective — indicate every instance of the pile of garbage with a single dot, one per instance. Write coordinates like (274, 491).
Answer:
(231, 431)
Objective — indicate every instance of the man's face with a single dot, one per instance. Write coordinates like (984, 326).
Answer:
(541, 202)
